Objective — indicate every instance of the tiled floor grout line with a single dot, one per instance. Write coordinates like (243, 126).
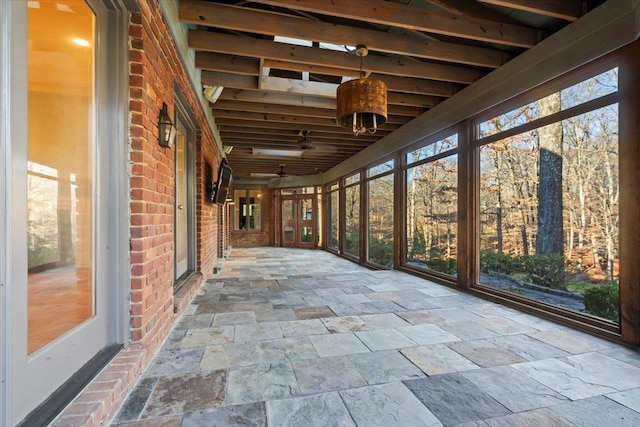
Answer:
(494, 340)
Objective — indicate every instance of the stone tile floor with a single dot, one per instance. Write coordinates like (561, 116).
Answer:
(286, 337)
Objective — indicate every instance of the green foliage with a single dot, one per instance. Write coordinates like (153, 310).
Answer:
(352, 243)
(418, 246)
(43, 249)
(603, 301)
(544, 270)
(381, 250)
(579, 287)
(499, 262)
(443, 265)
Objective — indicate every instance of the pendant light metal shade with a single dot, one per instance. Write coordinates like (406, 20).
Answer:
(362, 105)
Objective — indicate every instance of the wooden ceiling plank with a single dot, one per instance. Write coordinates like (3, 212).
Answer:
(403, 85)
(293, 66)
(277, 118)
(274, 139)
(384, 130)
(276, 98)
(280, 84)
(228, 80)
(412, 100)
(408, 101)
(292, 116)
(227, 63)
(569, 10)
(418, 86)
(205, 42)
(392, 110)
(244, 19)
(324, 151)
(472, 8)
(416, 18)
(274, 109)
(295, 111)
(291, 134)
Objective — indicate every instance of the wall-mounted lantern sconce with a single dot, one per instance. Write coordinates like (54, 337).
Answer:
(166, 129)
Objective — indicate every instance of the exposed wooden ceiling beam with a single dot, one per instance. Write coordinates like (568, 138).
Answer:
(278, 98)
(320, 148)
(392, 110)
(274, 109)
(383, 130)
(250, 139)
(294, 116)
(320, 89)
(251, 95)
(309, 57)
(227, 63)
(310, 68)
(569, 10)
(251, 20)
(294, 134)
(416, 18)
(245, 115)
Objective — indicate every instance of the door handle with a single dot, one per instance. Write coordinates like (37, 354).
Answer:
(180, 207)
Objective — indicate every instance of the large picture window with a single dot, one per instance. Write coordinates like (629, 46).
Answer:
(352, 216)
(549, 199)
(247, 209)
(380, 211)
(432, 206)
(333, 214)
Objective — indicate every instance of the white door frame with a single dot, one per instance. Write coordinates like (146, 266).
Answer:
(26, 381)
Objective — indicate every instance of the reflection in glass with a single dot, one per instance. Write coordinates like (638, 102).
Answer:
(381, 220)
(181, 199)
(61, 145)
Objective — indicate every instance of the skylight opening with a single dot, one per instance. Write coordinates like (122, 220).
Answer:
(337, 47)
(291, 40)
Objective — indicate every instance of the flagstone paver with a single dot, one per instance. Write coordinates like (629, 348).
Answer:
(286, 337)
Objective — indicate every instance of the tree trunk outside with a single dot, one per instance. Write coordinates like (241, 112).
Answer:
(549, 239)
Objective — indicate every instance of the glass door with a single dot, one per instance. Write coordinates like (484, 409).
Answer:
(182, 228)
(306, 219)
(58, 308)
(289, 222)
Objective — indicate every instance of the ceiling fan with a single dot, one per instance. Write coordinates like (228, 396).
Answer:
(282, 173)
(304, 144)
(307, 146)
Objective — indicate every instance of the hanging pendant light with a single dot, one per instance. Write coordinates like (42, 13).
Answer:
(362, 103)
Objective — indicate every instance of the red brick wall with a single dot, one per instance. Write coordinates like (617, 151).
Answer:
(207, 214)
(155, 66)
